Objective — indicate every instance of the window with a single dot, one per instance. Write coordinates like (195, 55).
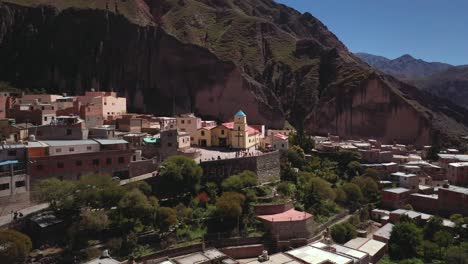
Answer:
(134, 158)
(4, 186)
(39, 167)
(189, 121)
(60, 165)
(222, 132)
(45, 118)
(79, 163)
(202, 133)
(108, 113)
(105, 103)
(12, 153)
(52, 108)
(71, 149)
(169, 144)
(95, 162)
(182, 121)
(20, 184)
(42, 108)
(58, 150)
(121, 160)
(88, 148)
(69, 131)
(108, 161)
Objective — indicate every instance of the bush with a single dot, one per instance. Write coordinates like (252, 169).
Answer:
(92, 253)
(14, 246)
(286, 189)
(114, 245)
(241, 181)
(230, 204)
(342, 233)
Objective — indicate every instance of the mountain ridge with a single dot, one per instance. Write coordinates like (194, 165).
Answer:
(213, 57)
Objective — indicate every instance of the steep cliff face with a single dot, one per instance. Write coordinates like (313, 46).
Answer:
(212, 57)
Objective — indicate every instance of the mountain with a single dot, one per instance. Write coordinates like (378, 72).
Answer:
(451, 84)
(404, 67)
(214, 57)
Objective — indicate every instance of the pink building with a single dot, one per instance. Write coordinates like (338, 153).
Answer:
(100, 106)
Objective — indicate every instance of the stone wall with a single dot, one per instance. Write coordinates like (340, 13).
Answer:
(266, 166)
(138, 168)
(242, 252)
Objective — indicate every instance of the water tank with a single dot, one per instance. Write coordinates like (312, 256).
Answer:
(32, 137)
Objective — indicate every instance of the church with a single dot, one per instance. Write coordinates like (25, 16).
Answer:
(237, 134)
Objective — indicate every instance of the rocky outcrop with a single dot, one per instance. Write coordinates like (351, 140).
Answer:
(213, 58)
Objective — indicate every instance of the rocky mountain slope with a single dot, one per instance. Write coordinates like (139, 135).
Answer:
(404, 67)
(214, 57)
(451, 84)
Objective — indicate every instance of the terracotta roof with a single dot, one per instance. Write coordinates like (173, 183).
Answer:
(252, 131)
(290, 215)
(281, 136)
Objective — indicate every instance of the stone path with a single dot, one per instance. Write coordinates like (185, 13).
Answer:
(6, 219)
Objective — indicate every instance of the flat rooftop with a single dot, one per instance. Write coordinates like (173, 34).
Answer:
(384, 231)
(372, 247)
(402, 174)
(459, 157)
(457, 189)
(396, 190)
(314, 255)
(279, 258)
(459, 164)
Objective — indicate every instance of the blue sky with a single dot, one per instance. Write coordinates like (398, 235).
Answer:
(433, 30)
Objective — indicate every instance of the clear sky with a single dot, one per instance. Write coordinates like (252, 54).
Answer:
(432, 30)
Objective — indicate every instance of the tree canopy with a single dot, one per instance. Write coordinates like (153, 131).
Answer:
(405, 239)
(240, 181)
(14, 246)
(179, 175)
(230, 204)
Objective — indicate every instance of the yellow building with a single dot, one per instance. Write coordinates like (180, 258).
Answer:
(237, 134)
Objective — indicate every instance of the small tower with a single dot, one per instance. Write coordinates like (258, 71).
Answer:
(240, 130)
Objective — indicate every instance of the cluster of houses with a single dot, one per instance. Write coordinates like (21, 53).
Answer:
(66, 137)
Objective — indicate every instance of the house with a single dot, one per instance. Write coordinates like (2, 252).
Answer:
(189, 123)
(359, 257)
(375, 156)
(7, 100)
(313, 255)
(375, 249)
(383, 234)
(408, 181)
(96, 107)
(71, 159)
(36, 112)
(457, 173)
(276, 141)
(12, 132)
(167, 122)
(446, 159)
(14, 180)
(395, 198)
(453, 200)
(62, 128)
(288, 224)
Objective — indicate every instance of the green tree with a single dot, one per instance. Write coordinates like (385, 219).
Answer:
(411, 261)
(443, 239)
(353, 194)
(457, 254)
(430, 250)
(369, 188)
(405, 239)
(436, 146)
(135, 210)
(98, 191)
(14, 246)
(286, 189)
(432, 226)
(342, 233)
(314, 191)
(295, 155)
(59, 194)
(303, 140)
(167, 217)
(230, 204)
(372, 173)
(341, 197)
(237, 183)
(353, 169)
(179, 175)
(94, 221)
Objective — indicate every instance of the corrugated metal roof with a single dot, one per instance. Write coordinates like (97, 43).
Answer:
(58, 143)
(8, 162)
(111, 141)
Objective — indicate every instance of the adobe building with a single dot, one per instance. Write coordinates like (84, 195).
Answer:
(71, 159)
(97, 107)
(375, 156)
(62, 128)
(395, 198)
(453, 200)
(408, 181)
(276, 141)
(457, 173)
(284, 222)
(7, 100)
(36, 113)
(11, 132)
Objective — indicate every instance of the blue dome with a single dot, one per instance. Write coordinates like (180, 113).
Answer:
(241, 113)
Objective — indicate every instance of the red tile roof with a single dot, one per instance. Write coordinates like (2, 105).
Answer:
(290, 215)
(252, 131)
(281, 136)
